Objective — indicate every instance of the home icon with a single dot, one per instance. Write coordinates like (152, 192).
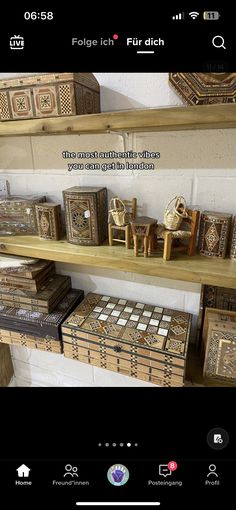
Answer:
(23, 471)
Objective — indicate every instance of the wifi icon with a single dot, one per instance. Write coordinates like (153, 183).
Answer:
(194, 14)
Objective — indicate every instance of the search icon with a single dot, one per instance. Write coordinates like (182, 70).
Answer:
(218, 42)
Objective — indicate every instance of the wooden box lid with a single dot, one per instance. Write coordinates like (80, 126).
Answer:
(86, 79)
(216, 215)
(29, 268)
(9, 199)
(83, 189)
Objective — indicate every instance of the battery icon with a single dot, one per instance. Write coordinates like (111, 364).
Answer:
(211, 15)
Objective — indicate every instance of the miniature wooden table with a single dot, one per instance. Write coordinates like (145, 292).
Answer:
(143, 228)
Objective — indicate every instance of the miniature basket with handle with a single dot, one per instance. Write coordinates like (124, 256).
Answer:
(175, 212)
(118, 212)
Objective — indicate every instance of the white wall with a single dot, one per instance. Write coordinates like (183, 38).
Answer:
(198, 164)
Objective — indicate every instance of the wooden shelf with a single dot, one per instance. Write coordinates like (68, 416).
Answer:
(152, 119)
(197, 269)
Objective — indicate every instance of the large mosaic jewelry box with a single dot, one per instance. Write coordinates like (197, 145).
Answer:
(33, 326)
(86, 214)
(135, 339)
(49, 95)
(18, 215)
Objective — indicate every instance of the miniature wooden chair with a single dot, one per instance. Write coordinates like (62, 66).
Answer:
(131, 207)
(183, 239)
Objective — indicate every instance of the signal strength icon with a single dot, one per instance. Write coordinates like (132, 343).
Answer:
(179, 16)
(194, 14)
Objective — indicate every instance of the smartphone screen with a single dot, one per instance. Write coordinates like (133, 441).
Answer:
(117, 256)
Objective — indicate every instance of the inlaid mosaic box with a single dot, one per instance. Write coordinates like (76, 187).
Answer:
(49, 95)
(18, 216)
(30, 341)
(233, 241)
(37, 324)
(220, 345)
(86, 215)
(214, 233)
(42, 271)
(45, 300)
(218, 297)
(30, 268)
(135, 339)
(215, 314)
(49, 221)
(214, 297)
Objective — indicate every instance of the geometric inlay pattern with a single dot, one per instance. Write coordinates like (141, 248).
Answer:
(44, 223)
(21, 104)
(45, 101)
(212, 237)
(220, 357)
(4, 109)
(65, 99)
(178, 330)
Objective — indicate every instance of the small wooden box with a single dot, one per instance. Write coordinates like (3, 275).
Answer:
(218, 297)
(211, 296)
(18, 216)
(86, 215)
(44, 301)
(49, 95)
(143, 341)
(214, 233)
(43, 270)
(233, 241)
(49, 221)
(219, 341)
(34, 324)
(31, 341)
(214, 315)
(26, 267)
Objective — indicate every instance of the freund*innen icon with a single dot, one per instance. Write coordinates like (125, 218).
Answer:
(118, 474)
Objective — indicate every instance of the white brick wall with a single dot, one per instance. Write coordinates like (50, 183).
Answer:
(198, 164)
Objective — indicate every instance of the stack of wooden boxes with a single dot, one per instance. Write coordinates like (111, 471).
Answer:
(34, 301)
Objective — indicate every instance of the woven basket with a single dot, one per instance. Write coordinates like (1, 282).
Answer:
(175, 212)
(118, 212)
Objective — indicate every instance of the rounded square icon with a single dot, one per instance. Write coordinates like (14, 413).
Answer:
(118, 474)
